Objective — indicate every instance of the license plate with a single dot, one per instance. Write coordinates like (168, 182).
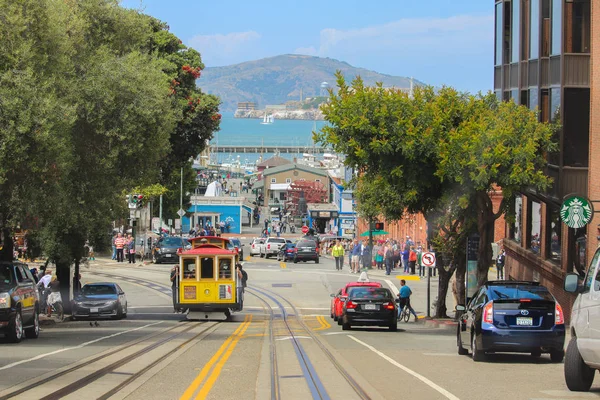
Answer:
(525, 321)
(168, 255)
(93, 310)
(370, 306)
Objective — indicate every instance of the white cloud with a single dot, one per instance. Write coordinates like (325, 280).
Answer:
(223, 49)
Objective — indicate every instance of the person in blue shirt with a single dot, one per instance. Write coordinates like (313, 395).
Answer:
(404, 295)
(356, 250)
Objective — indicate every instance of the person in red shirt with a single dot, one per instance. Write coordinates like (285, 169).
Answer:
(119, 243)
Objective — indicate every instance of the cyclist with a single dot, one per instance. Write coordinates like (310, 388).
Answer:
(404, 296)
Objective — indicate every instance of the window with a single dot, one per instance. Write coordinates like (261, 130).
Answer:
(524, 98)
(288, 180)
(591, 274)
(576, 127)
(525, 32)
(515, 30)
(556, 26)
(506, 34)
(520, 292)
(535, 226)
(554, 157)
(554, 237)
(545, 28)
(532, 101)
(534, 29)
(518, 226)
(225, 269)
(273, 180)
(577, 26)
(20, 274)
(498, 94)
(207, 270)
(498, 34)
(317, 180)
(189, 268)
(514, 95)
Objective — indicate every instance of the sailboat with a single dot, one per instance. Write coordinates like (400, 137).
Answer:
(267, 119)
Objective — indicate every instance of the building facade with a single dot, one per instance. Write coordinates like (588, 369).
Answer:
(276, 181)
(542, 60)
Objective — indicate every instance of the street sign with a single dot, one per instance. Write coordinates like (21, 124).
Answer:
(170, 222)
(576, 212)
(305, 229)
(155, 223)
(177, 223)
(181, 212)
(428, 259)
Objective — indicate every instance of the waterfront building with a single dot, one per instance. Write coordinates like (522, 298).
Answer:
(276, 181)
(247, 106)
(272, 162)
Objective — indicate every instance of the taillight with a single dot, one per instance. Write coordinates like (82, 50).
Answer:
(559, 317)
(488, 313)
(268, 247)
(525, 300)
(351, 305)
(295, 250)
(388, 306)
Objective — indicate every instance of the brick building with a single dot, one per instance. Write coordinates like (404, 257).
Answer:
(542, 60)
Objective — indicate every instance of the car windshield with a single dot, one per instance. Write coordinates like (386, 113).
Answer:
(6, 275)
(307, 243)
(520, 292)
(96, 290)
(275, 240)
(369, 293)
(173, 241)
(235, 242)
(290, 245)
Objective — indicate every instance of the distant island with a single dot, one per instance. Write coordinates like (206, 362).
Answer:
(277, 81)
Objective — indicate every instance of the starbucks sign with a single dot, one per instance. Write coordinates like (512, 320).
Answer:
(576, 212)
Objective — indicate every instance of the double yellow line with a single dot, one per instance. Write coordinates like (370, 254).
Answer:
(323, 322)
(220, 358)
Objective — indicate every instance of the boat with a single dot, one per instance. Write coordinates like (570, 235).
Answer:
(267, 119)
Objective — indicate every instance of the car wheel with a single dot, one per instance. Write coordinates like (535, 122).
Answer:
(340, 321)
(119, 312)
(261, 255)
(461, 350)
(335, 318)
(15, 327)
(536, 353)
(346, 327)
(34, 331)
(295, 260)
(557, 355)
(578, 376)
(394, 326)
(476, 354)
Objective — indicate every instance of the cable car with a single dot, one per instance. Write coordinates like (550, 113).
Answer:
(209, 286)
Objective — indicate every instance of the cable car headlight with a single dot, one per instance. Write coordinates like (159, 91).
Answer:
(207, 292)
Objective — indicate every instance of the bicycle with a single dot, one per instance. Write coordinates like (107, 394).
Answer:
(404, 314)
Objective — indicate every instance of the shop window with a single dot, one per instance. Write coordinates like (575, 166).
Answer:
(554, 235)
(535, 226)
(515, 30)
(225, 268)
(577, 26)
(556, 26)
(189, 268)
(576, 127)
(207, 270)
(534, 29)
(518, 225)
(498, 34)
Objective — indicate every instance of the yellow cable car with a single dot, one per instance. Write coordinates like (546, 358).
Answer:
(209, 285)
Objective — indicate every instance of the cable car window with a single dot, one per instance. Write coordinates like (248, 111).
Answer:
(189, 268)
(207, 270)
(225, 269)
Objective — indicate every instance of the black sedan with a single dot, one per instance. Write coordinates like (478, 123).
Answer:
(306, 250)
(511, 316)
(286, 252)
(165, 249)
(103, 299)
(370, 306)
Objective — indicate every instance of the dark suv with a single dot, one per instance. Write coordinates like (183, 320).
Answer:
(511, 316)
(306, 250)
(165, 249)
(19, 302)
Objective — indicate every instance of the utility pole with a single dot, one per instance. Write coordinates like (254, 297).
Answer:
(181, 205)
(160, 215)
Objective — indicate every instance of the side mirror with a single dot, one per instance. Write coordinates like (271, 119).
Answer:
(332, 295)
(460, 307)
(571, 283)
(343, 298)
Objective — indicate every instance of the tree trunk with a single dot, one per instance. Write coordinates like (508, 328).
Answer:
(485, 228)
(461, 271)
(441, 309)
(76, 278)
(7, 252)
(63, 270)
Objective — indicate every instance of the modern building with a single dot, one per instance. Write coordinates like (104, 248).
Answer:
(246, 106)
(542, 59)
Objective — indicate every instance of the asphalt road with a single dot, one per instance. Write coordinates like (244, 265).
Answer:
(283, 342)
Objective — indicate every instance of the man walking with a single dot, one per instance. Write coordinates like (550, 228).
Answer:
(500, 265)
(337, 251)
(119, 243)
(356, 250)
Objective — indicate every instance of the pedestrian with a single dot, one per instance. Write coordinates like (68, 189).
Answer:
(119, 243)
(366, 258)
(76, 284)
(174, 286)
(404, 297)
(355, 267)
(114, 248)
(388, 254)
(379, 252)
(54, 296)
(500, 265)
(405, 255)
(420, 261)
(412, 260)
(243, 277)
(337, 251)
(131, 248)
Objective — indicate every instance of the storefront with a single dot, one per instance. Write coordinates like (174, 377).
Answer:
(323, 217)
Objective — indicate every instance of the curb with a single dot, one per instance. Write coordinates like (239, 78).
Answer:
(448, 324)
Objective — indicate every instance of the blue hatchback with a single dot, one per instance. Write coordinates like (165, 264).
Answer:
(511, 316)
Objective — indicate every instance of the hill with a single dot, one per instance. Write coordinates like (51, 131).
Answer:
(276, 80)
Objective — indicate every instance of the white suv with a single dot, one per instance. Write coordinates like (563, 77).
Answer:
(272, 246)
(583, 353)
(256, 246)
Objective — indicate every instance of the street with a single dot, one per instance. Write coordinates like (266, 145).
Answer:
(283, 345)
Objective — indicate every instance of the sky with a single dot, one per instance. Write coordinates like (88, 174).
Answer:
(438, 42)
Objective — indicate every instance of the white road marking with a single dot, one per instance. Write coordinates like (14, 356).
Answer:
(420, 377)
(136, 307)
(335, 333)
(38, 357)
(393, 287)
(294, 337)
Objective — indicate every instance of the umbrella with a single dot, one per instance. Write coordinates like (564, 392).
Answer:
(375, 233)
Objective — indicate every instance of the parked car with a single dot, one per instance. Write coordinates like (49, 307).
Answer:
(306, 250)
(286, 252)
(102, 299)
(370, 306)
(19, 302)
(272, 246)
(165, 249)
(511, 316)
(338, 299)
(583, 355)
(256, 246)
(238, 245)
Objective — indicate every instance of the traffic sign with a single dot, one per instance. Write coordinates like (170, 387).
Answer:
(305, 229)
(181, 212)
(428, 259)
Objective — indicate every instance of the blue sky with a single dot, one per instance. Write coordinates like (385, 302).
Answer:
(439, 42)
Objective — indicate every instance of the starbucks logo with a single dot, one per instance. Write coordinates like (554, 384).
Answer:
(576, 212)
